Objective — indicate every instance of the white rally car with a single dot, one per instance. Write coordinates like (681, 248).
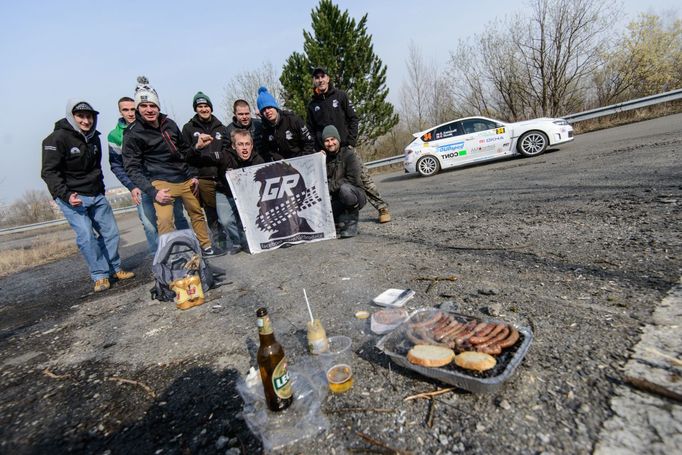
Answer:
(475, 139)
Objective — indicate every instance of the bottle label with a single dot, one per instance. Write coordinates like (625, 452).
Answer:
(280, 380)
(264, 325)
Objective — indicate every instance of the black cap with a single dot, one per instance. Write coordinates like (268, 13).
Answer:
(83, 107)
(319, 69)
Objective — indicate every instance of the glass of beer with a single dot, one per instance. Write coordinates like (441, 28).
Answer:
(337, 364)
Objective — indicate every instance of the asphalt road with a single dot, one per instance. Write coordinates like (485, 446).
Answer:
(579, 245)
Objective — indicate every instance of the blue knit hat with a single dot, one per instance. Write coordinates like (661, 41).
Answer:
(265, 99)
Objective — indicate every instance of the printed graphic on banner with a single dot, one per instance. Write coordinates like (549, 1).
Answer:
(283, 202)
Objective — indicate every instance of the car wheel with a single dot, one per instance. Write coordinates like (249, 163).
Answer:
(428, 165)
(532, 143)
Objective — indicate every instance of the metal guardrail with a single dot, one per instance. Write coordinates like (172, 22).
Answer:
(571, 118)
(44, 224)
(624, 106)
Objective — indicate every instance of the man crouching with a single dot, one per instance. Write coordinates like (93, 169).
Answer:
(344, 171)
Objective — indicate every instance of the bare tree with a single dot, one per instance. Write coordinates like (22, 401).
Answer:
(32, 207)
(245, 86)
(539, 64)
(426, 98)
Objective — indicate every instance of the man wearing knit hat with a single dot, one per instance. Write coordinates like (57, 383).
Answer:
(144, 203)
(155, 157)
(344, 170)
(285, 134)
(204, 122)
(331, 106)
(72, 169)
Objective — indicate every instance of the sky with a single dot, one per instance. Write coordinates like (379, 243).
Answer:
(55, 50)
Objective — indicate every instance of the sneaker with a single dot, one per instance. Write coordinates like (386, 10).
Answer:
(212, 252)
(123, 275)
(384, 215)
(102, 284)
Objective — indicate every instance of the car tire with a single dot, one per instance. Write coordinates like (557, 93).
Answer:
(532, 143)
(428, 165)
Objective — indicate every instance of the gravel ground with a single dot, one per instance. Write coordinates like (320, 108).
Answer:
(579, 245)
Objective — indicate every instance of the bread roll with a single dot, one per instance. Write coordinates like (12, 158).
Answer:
(430, 356)
(477, 361)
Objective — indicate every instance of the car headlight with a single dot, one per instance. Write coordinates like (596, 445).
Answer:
(560, 122)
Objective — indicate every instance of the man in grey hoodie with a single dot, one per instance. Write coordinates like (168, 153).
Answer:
(72, 169)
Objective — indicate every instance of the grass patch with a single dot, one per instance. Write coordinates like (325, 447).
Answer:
(44, 249)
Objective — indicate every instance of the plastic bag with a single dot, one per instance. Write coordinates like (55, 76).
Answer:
(301, 420)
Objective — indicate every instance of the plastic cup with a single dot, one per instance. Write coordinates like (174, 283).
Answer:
(336, 363)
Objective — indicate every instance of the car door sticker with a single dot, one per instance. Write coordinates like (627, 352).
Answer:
(447, 148)
(499, 131)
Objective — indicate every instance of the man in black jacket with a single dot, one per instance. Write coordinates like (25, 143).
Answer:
(242, 120)
(204, 122)
(285, 134)
(155, 157)
(72, 169)
(331, 106)
(344, 177)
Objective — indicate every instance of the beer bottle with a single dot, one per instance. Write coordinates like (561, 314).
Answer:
(273, 366)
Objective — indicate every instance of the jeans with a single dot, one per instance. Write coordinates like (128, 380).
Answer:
(349, 197)
(229, 219)
(147, 216)
(94, 216)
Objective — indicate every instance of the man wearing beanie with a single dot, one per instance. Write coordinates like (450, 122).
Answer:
(285, 134)
(155, 157)
(331, 106)
(145, 204)
(204, 122)
(344, 178)
(72, 169)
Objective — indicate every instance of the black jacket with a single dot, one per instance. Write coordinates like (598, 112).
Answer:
(343, 166)
(72, 162)
(151, 153)
(255, 128)
(230, 160)
(204, 160)
(286, 139)
(333, 108)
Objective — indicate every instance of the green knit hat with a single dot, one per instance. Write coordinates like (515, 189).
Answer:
(200, 98)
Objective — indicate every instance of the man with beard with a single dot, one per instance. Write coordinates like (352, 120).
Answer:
(155, 157)
(344, 179)
(72, 169)
(204, 122)
(331, 106)
(285, 134)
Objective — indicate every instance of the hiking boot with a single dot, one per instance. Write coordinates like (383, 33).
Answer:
(123, 275)
(102, 284)
(384, 215)
(212, 252)
(351, 227)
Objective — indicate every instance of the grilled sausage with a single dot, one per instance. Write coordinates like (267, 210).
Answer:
(479, 339)
(511, 339)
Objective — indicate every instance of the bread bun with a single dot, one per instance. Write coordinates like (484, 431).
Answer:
(430, 356)
(477, 361)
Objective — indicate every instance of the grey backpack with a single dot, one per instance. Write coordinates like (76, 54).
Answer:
(175, 250)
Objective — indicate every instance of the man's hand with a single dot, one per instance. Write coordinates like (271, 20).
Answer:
(136, 194)
(163, 196)
(74, 200)
(322, 151)
(194, 184)
(203, 140)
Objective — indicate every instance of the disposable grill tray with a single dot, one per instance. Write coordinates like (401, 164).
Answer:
(396, 344)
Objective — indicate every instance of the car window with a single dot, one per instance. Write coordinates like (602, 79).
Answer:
(474, 125)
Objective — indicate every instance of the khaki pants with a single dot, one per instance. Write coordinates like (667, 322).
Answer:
(164, 213)
(207, 200)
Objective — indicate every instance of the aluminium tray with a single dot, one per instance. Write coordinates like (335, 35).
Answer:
(395, 344)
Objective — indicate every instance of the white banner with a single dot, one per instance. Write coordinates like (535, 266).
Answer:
(282, 202)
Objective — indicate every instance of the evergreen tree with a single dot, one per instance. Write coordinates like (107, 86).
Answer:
(345, 49)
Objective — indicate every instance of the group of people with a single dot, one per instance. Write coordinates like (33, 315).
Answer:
(166, 168)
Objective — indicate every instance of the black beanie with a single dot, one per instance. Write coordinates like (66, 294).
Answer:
(200, 98)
